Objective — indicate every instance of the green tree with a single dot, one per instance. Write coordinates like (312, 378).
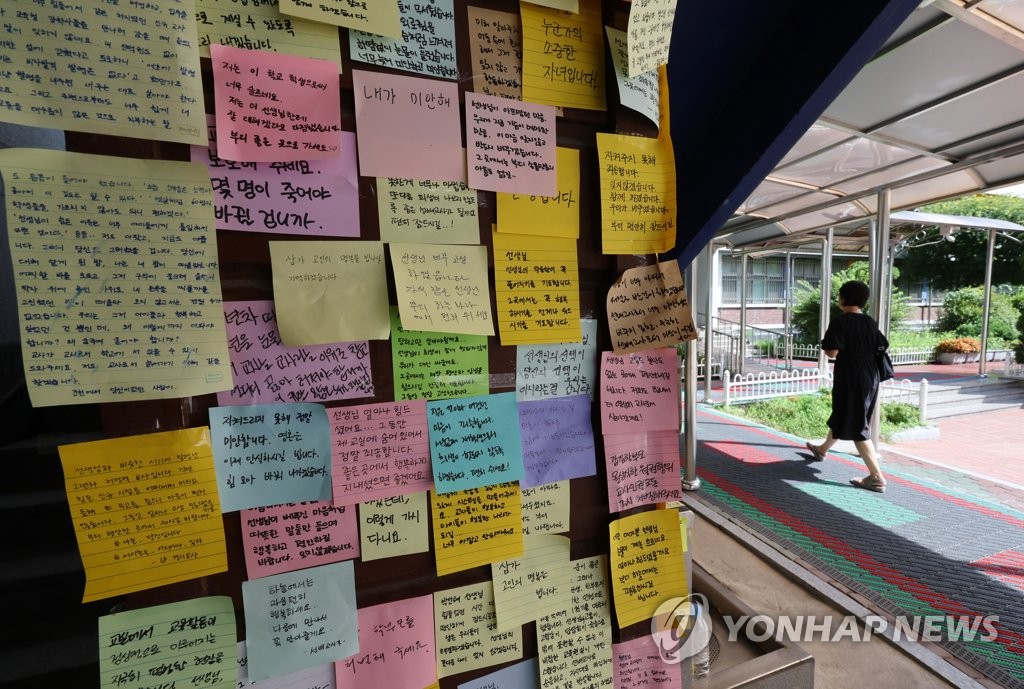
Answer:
(959, 263)
(962, 312)
(807, 309)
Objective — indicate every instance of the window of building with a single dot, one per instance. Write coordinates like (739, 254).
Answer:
(766, 277)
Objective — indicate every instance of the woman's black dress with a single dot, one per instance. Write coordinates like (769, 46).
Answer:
(855, 376)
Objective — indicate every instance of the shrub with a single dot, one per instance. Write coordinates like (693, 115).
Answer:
(960, 345)
(807, 300)
(962, 310)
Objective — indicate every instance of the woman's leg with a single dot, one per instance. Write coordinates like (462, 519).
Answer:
(866, 450)
(825, 446)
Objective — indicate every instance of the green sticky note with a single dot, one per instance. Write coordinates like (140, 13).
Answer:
(437, 366)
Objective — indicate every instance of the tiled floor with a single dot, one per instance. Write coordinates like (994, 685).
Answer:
(937, 542)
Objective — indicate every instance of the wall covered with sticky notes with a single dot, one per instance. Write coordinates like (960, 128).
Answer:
(366, 452)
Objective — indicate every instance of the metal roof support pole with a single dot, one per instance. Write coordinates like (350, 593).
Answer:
(690, 479)
(709, 328)
(787, 341)
(743, 313)
(826, 295)
(879, 282)
(989, 255)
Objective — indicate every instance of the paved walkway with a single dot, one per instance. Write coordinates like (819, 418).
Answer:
(932, 544)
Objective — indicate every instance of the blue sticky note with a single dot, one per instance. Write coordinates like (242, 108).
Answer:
(524, 675)
(270, 454)
(300, 619)
(474, 441)
(427, 45)
(558, 440)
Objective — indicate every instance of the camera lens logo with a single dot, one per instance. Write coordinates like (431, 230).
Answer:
(681, 628)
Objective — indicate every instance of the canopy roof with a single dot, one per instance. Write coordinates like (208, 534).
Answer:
(938, 113)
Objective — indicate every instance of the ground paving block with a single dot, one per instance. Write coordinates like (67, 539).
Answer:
(907, 550)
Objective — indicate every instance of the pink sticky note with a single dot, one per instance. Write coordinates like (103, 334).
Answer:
(642, 469)
(379, 450)
(638, 664)
(284, 538)
(408, 127)
(274, 107)
(639, 391)
(510, 145)
(264, 371)
(396, 647)
(308, 197)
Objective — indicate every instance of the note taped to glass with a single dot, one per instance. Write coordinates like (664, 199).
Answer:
(428, 47)
(438, 366)
(133, 71)
(327, 292)
(536, 289)
(563, 56)
(304, 122)
(466, 631)
(256, 26)
(496, 52)
(548, 216)
(650, 34)
(647, 564)
(638, 194)
(145, 509)
(476, 527)
(380, 16)
(442, 288)
(647, 308)
(640, 391)
(147, 647)
(118, 283)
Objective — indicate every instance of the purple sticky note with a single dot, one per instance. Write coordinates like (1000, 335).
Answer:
(558, 440)
(307, 197)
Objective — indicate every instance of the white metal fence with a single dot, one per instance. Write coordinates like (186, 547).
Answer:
(756, 386)
(740, 389)
(899, 355)
(1012, 368)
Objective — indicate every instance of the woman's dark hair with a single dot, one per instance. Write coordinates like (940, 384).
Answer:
(854, 293)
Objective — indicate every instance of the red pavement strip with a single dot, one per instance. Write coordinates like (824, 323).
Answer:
(988, 512)
(1006, 638)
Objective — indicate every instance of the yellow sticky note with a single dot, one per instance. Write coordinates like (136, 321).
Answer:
(256, 26)
(326, 292)
(476, 527)
(145, 509)
(427, 211)
(536, 288)
(118, 284)
(379, 17)
(530, 586)
(466, 631)
(638, 194)
(546, 508)
(664, 113)
(574, 644)
(549, 216)
(393, 526)
(139, 646)
(563, 56)
(647, 564)
(442, 288)
(131, 71)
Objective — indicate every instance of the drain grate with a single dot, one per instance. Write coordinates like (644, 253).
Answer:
(714, 649)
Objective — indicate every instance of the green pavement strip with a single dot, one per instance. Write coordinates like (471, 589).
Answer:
(991, 650)
(905, 475)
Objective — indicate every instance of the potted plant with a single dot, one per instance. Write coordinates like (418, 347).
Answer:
(960, 350)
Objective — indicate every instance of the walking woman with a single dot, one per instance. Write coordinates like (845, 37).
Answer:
(853, 340)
